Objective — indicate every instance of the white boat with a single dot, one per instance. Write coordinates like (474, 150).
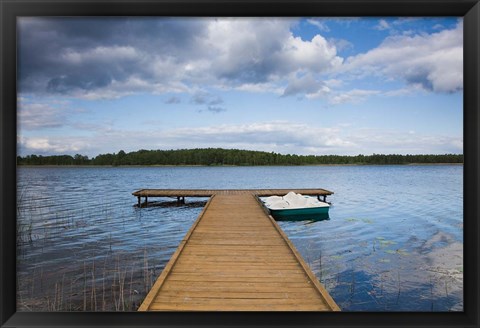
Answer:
(294, 206)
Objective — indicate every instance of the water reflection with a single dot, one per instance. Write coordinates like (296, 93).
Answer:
(381, 273)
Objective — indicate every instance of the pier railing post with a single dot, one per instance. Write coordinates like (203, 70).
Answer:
(180, 199)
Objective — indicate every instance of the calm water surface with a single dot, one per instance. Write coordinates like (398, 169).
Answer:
(394, 240)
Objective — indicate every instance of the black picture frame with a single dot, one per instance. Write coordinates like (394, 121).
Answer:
(10, 10)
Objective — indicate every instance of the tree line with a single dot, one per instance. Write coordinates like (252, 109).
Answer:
(237, 157)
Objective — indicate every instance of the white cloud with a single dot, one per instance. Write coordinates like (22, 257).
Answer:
(395, 26)
(252, 51)
(268, 87)
(321, 24)
(99, 54)
(133, 85)
(215, 109)
(202, 98)
(165, 55)
(35, 116)
(341, 44)
(51, 145)
(210, 101)
(385, 141)
(248, 54)
(279, 136)
(382, 25)
(433, 61)
(408, 90)
(352, 96)
(333, 83)
(317, 55)
(306, 84)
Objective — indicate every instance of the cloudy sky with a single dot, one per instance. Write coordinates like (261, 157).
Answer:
(305, 85)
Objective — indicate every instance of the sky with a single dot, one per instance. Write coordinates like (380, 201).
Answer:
(309, 85)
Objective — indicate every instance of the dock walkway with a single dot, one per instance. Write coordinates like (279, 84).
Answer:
(236, 258)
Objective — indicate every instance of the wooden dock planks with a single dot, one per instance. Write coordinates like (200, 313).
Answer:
(208, 193)
(236, 258)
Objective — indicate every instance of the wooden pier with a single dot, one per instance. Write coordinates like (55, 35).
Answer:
(235, 258)
(181, 194)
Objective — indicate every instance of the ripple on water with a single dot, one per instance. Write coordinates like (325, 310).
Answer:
(394, 240)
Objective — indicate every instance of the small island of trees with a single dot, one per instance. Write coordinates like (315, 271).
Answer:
(235, 157)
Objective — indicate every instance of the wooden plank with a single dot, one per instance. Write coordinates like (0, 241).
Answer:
(245, 242)
(167, 306)
(237, 286)
(233, 272)
(244, 265)
(238, 236)
(211, 263)
(241, 274)
(251, 248)
(249, 262)
(238, 250)
(305, 294)
(220, 304)
(228, 261)
(204, 278)
(220, 301)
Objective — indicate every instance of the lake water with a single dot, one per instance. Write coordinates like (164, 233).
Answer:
(394, 240)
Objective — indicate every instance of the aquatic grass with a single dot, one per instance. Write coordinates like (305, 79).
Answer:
(308, 254)
(93, 294)
(130, 292)
(89, 286)
(351, 219)
(402, 252)
(103, 284)
(386, 243)
(320, 265)
(145, 270)
(398, 251)
(63, 294)
(84, 287)
(24, 232)
(364, 220)
(114, 286)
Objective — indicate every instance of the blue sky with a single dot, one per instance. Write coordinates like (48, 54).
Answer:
(290, 85)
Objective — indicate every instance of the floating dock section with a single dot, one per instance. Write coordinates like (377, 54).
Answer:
(236, 258)
(181, 194)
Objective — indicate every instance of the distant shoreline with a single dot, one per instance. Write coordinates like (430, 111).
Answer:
(170, 165)
(232, 157)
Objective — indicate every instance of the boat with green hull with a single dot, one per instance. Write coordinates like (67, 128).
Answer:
(296, 207)
(309, 213)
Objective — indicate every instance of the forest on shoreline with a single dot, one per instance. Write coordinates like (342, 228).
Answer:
(231, 157)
